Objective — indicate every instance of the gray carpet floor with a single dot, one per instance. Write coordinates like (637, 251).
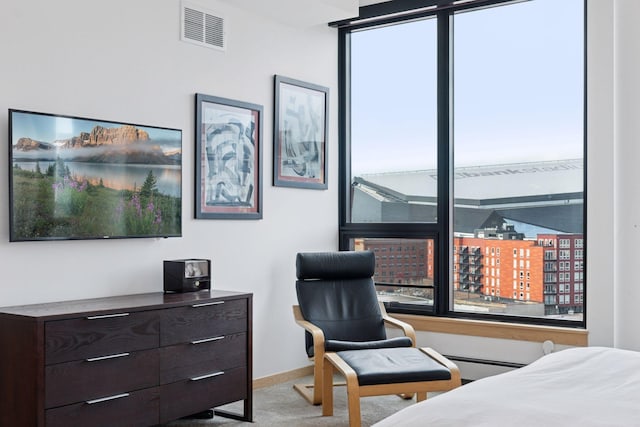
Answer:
(281, 405)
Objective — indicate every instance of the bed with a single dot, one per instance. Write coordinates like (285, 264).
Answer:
(585, 387)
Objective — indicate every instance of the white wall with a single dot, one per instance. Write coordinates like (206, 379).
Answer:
(627, 173)
(600, 166)
(123, 61)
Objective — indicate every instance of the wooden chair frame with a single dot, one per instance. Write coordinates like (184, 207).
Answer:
(313, 392)
(332, 362)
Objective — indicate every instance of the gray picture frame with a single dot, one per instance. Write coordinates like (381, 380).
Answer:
(228, 164)
(300, 143)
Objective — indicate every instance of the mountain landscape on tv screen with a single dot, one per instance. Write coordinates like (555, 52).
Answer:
(74, 178)
(124, 144)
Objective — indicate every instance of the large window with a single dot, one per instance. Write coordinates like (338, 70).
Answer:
(462, 156)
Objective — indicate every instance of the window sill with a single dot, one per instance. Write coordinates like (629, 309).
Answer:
(508, 331)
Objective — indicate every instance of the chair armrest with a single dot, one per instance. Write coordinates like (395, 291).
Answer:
(453, 368)
(407, 329)
(316, 332)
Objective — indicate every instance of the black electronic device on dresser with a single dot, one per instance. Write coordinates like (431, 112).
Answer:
(131, 360)
(187, 275)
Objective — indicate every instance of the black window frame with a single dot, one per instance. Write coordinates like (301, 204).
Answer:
(399, 11)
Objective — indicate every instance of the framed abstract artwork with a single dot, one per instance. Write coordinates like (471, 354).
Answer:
(228, 159)
(300, 134)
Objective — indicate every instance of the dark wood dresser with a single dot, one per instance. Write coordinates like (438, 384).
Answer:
(130, 360)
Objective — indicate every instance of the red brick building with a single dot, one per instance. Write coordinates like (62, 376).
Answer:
(510, 269)
(563, 272)
(548, 270)
(498, 264)
(401, 261)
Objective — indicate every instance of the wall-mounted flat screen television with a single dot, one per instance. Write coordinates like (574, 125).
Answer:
(80, 178)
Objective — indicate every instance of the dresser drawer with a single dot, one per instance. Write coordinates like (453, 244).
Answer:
(93, 336)
(93, 378)
(135, 409)
(181, 361)
(203, 320)
(201, 393)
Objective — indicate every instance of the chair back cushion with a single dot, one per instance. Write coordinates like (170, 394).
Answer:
(335, 265)
(336, 293)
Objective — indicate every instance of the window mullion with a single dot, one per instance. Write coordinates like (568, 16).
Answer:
(344, 126)
(445, 108)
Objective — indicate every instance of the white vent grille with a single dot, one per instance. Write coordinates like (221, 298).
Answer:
(203, 27)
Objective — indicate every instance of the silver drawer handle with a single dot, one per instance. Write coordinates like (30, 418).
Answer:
(106, 316)
(202, 377)
(111, 356)
(104, 399)
(207, 340)
(205, 304)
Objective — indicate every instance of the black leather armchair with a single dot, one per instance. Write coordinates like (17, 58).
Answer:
(345, 333)
(339, 310)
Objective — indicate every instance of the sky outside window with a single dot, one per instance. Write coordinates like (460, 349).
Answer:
(393, 98)
(518, 88)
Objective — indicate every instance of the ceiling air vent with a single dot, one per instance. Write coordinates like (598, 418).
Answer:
(203, 27)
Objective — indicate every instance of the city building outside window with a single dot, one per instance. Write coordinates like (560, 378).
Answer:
(462, 136)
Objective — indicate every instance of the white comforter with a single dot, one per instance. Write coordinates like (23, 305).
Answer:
(584, 387)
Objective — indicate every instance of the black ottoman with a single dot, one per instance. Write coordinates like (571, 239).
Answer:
(403, 370)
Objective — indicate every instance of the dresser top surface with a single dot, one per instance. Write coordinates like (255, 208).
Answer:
(134, 302)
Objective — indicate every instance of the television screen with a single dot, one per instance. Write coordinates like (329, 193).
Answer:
(79, 178)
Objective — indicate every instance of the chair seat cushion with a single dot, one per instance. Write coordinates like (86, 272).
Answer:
(393, 365)
(337, 345)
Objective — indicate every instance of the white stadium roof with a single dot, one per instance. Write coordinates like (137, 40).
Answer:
(491, 182)
(537, 197)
